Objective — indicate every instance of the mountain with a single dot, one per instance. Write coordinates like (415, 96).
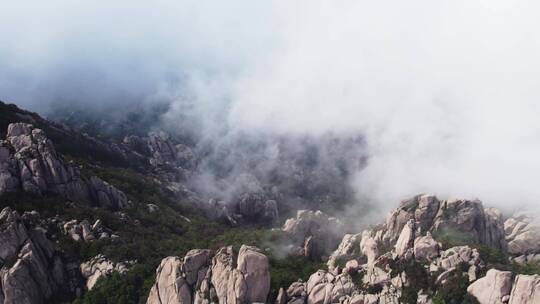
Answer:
(151, 216)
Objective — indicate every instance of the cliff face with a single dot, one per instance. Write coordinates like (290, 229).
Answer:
(32, 269)
(204, 276)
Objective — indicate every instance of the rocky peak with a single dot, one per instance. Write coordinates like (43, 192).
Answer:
(457, 219)
(30, 163)
(203, 276)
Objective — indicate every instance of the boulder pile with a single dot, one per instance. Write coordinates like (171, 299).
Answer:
(100, 266)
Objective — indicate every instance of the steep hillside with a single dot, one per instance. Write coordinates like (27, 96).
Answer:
(93, 238)
(128, 225)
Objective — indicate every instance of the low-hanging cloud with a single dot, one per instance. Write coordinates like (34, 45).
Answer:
(445, 93)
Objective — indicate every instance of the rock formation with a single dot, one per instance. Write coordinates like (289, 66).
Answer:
(83, 231)
(204, 277)
(100, 266)
(523, 237)
(498, 287)
(494, 288)
(526, 289)
(377, 256)
(30, 163)
(462, 220)
(314, 234)
(32, 270)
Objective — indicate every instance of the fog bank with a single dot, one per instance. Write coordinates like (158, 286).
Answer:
(444, 93)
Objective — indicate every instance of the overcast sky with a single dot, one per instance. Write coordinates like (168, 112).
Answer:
(446, 93)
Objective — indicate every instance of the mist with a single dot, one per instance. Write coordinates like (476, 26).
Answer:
(444, 93)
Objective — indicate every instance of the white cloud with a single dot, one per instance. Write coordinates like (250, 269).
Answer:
(445, 92)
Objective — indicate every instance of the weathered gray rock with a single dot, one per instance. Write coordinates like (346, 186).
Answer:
(348, 248)
(296, 293)
(316, 227)
(405, 240)
(324, 287)
(463, 219)
(30, 163)
(32, 270)
(426, 248)
(468, 221)
(106, 195)
(526, 290)
(453, 257)
(369, 247)
(170, 286)
(100, 266)
(223, 278)
(83, 231)
(492, 288)
(9, 177)
(254, 267)
(523, 234)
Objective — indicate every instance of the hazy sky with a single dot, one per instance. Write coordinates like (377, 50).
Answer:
(445, 92)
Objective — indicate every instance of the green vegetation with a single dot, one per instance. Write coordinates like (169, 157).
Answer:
(285, 271)
(122, 289)
(419, 279)
(452, 237)
(341, 262)
(454, 291)
(149, 237)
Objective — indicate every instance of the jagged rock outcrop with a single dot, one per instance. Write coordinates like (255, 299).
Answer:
(202, 277)
(314, 233)
(30, 163)
(457, 219)
(100, 266)
(455, 256)
(380, 255)
(411, 228)
(32, 270)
